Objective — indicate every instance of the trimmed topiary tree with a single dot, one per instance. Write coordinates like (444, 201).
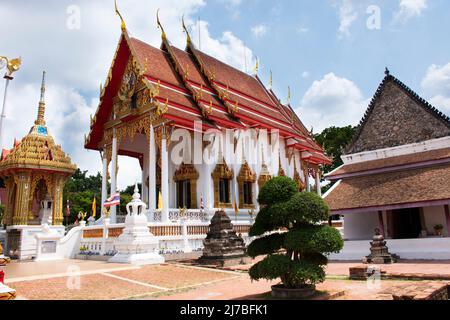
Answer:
(292, 236)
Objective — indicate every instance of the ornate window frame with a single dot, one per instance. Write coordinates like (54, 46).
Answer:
(264, 176)
(188, 172)
(245, 175)
(221, 171)
(297, 178)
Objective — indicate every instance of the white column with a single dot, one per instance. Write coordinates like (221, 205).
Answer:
(104, 177)
(144, 176)
(318, 188)
(308, 185)
(3, 116)
(205, 187)
(114, 175)
(164, 179)
(152, 172)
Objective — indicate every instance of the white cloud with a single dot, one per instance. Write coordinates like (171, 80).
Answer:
(332, 101)
(77, 61)
(227, 48)
(259, 30)
(436, 85)
(305, 74)
(409, 9)
(302, 30)
(347, 15)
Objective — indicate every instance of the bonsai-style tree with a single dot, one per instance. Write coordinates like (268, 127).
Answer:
(291, 234)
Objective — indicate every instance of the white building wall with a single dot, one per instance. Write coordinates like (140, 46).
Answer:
(360, 226)
(433, 216)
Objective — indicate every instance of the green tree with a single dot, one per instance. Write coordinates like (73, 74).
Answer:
(334, 140)
(80, 190)
(291, 235)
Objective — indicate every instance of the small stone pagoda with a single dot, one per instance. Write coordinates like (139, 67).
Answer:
(379, 252)
(222, 246)
(34, 172)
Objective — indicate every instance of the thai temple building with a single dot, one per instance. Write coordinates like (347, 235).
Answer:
(34, 172)
(396, 177)
(157, 101)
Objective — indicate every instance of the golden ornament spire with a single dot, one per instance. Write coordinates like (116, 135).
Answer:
(256, 69)
(123, 26)
(289, 95)
(163, 33)
(271, 80)
(41, 110)
(188, 39)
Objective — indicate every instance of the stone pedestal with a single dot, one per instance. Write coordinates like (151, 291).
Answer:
(47, 245)
(222, 247)
(379, 252)
(22, 241)
(136, 245)
(6, 293)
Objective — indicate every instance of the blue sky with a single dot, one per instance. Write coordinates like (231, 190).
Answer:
(323, 50)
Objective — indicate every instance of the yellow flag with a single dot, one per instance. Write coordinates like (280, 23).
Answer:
(236, 209)
(94, 207)
(160, 201)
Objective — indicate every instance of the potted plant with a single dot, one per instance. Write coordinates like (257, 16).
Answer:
(291, 234)
(438, 229)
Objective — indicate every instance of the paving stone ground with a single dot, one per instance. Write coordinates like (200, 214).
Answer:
(100, 280)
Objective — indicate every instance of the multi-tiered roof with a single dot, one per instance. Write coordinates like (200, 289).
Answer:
(195, 86)
(37, 150)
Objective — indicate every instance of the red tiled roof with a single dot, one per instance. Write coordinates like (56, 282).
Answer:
(414, 158)
(393, 188)
(182, 74)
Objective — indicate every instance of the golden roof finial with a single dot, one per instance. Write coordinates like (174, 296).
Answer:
(289, 95)
(163, 33)
(271, 80)
(123, 26)
(41, 110)
(256, 69)
(188, 39)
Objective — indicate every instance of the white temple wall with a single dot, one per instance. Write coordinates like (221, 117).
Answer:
(433, 216)
(233, 156)
(360, 226)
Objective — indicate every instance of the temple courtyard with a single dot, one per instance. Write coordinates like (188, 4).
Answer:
(181, 280)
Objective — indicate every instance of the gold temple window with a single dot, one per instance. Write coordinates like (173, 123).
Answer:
(246, 180)
(222, 177)
(264, 176)
(186, 181)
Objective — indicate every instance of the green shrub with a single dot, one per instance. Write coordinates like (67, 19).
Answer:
(294, 221)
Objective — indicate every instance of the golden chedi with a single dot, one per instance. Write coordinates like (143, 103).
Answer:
(35, 171)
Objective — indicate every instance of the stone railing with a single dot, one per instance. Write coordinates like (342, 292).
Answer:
(198, 215)
(174, 237)
(195, 215)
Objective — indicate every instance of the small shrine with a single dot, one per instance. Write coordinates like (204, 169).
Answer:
(34, 172)
(136, 245)
(222, 246)
(379, 252)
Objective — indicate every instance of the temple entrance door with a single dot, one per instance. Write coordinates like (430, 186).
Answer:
(406, 223)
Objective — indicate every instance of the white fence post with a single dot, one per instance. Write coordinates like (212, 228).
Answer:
(184, 232)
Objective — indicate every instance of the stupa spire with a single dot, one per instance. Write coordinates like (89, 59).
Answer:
(41, 110)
